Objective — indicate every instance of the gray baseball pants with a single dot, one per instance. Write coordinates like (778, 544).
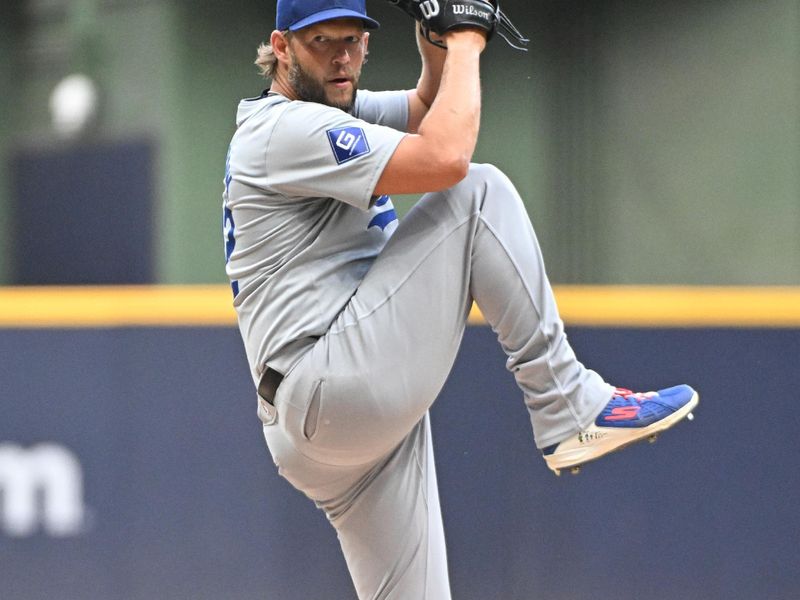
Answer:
(352, 430)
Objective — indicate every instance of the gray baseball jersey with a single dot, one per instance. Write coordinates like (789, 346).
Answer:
(307, 172)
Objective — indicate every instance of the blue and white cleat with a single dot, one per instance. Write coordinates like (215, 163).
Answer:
(627, 418)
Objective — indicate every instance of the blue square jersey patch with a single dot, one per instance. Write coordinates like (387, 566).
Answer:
(348, 143)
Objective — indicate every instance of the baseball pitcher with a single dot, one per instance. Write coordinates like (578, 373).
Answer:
(351, 320)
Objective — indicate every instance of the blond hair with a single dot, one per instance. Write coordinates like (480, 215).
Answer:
(266, 61)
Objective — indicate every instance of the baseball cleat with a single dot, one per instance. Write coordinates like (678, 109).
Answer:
(627, 418)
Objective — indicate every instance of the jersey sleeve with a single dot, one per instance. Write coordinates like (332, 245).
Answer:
(384, 108)
(316, 151)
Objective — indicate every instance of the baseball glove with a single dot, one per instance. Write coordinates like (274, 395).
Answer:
(440, 16)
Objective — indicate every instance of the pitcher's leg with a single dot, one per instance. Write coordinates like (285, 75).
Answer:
(386, 510)
(510, 285)
(391, 530)
(386, 357)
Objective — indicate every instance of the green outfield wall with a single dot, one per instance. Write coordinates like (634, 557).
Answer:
(652, 142)
(7, 103)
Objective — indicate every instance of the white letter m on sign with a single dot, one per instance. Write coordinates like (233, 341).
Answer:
(40, 486)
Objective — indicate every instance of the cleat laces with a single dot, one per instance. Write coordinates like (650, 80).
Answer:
(638, 396)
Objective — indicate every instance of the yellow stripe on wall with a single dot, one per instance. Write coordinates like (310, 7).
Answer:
(679, 306)
(116, 306)
(210, 305)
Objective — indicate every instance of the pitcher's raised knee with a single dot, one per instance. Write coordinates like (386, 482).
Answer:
(486, 183)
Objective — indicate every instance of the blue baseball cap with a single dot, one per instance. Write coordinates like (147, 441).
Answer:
(296, 14)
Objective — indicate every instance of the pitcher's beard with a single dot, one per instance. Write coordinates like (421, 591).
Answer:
(310, 90)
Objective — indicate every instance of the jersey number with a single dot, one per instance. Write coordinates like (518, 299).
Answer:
(228, 226)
